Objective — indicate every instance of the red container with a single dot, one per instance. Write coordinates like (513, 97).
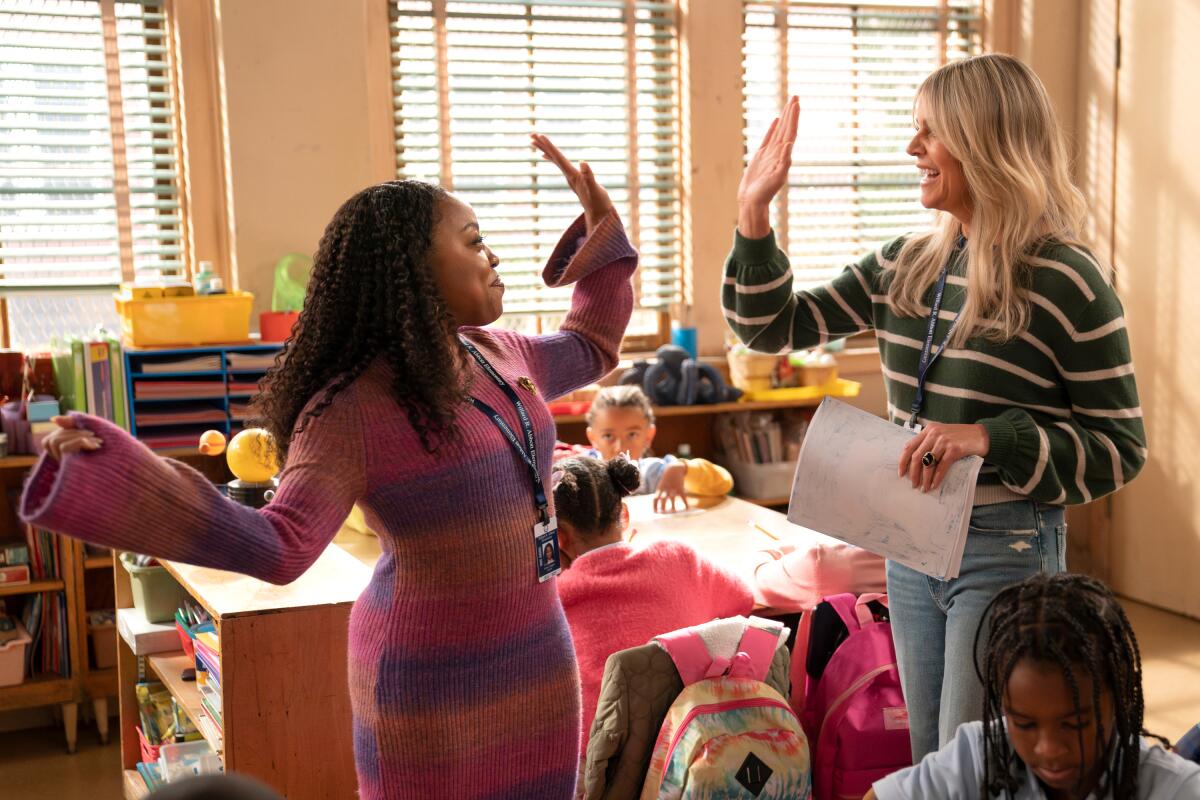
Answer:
(185, 639)
(276, 326)
(149, 751)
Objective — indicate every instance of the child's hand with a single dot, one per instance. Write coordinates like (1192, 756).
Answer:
(670, 488)
(69, 439)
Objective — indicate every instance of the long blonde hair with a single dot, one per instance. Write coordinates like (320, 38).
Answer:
(993, 114)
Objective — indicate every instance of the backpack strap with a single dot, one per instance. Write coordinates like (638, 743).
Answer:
(754, 653)
(846, 606)
(865, 615)
(689, 653)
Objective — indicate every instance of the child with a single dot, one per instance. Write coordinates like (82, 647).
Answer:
(616, 596)
(1062, 716)
(621, 420)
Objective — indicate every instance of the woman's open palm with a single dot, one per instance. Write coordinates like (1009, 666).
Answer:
(767, 171)
(581, 179)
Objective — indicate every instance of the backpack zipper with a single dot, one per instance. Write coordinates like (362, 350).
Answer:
(854, 687)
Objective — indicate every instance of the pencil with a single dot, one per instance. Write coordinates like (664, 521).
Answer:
(764, 530)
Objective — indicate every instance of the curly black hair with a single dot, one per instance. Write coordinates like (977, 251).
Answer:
(588, 492)
(1075, 623)
(371, 295)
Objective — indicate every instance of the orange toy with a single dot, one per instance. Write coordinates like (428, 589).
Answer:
(212, 443)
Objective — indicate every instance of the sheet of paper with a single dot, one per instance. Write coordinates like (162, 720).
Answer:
(846, 487)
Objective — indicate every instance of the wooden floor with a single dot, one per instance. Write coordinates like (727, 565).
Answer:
(34, 765)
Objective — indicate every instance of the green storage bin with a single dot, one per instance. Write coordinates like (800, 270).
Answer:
(155, 592)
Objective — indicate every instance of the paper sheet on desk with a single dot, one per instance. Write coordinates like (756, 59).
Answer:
(846, 486)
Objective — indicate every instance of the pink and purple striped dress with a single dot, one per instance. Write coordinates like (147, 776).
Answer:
(462, 672)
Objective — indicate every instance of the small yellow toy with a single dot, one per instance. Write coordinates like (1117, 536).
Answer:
(212, 443)
(251, 456)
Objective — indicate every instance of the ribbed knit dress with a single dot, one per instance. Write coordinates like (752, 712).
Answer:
(462, 673)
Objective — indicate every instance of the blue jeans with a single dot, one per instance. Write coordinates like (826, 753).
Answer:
(934, 622)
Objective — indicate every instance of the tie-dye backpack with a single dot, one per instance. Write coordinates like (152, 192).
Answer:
(728, 735)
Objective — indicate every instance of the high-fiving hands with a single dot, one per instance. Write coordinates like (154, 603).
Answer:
(767, 173)
(592, 196)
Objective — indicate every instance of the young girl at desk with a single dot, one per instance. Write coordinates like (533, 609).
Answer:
(621, 420)
(1063, 714)
(462, 677)
(616, 595)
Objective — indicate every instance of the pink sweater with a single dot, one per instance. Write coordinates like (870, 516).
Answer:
(623, 596)
(462, 680)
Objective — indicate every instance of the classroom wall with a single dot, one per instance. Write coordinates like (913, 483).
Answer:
(1156, 520)
(307, 111)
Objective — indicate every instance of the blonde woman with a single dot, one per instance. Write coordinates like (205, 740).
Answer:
(1000, 336)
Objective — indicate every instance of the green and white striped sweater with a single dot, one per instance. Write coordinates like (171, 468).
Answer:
(1059, 401)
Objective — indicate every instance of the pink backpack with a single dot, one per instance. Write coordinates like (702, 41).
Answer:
(854, 712)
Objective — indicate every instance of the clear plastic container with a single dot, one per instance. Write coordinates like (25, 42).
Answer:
(179, 761)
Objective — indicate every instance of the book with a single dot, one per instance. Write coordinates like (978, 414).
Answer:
(151, 773)
(117, 372)
(13, 553)
(97, 377)
(211, 732)
(14, 574)
(68, 373)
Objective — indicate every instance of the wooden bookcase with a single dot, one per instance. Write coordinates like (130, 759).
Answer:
(82, 683)
(286, 705)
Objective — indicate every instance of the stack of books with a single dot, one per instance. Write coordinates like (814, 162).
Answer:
(208, 681)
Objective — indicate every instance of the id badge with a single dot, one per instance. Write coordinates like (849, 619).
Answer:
(545, 548)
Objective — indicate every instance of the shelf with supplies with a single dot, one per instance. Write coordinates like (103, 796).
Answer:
(174, 395)
(693, 425)
(271, 644)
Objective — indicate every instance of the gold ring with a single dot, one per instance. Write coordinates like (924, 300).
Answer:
(929, 459)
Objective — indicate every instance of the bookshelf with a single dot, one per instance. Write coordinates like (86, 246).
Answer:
(285, 697)
(174, 395)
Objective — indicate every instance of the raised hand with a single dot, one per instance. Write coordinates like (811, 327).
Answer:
(767, 173)
(581, 179)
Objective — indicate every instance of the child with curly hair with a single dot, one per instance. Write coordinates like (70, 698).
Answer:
(390, 393)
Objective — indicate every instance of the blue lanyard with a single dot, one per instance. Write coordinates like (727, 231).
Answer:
(528, 452)
(927, 356)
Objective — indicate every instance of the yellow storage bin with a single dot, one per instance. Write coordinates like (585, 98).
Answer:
(182, 321)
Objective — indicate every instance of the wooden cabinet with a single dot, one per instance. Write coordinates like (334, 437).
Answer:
(286, 702)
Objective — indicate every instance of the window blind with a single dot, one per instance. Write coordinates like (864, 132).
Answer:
(856, 68)
(473, 78)
(89, 169)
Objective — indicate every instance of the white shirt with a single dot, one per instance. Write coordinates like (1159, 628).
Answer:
(956, 772)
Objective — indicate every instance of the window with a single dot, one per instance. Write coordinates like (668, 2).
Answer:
(473, 78)
(89, 161)
(856, 68)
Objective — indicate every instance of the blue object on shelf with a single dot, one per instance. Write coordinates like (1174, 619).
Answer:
(41, 410)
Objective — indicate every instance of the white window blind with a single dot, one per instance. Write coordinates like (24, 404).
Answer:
(89, 169)
(473, 78)
(856, 68)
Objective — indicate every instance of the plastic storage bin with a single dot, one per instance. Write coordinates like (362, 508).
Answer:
(179, 761)
(12, 658)
(181, 321)
(102, 630)
(149, 751)
(155, 593)
(762, 481)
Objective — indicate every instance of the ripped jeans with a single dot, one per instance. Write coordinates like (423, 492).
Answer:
(934, 622)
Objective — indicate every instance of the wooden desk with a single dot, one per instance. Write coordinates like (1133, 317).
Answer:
(731, 532)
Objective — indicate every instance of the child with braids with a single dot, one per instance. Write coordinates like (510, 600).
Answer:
(1063, 711)
(462, 679)
(616, 595)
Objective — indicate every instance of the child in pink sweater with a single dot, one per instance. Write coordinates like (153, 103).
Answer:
(616, 595)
